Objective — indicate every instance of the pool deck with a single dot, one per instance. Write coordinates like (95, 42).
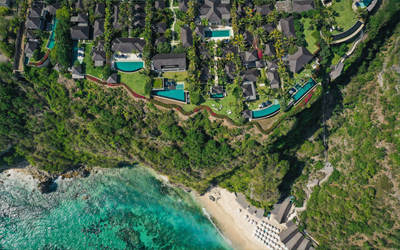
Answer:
(219, 28)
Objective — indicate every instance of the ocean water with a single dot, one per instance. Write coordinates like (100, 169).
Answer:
(126, 208)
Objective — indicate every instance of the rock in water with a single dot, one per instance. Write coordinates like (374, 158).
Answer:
(44, 187)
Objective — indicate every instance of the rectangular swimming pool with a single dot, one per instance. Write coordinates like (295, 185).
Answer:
(299, 94)
(217, 96)
(266, 111)
(175, 94)
(217, 33)
(74, 56)
(52, 41)
(128, 66)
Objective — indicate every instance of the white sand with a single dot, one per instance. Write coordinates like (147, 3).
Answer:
(232, 223)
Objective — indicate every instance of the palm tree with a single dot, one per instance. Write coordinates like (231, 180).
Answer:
(230, 57)
(204, 21)
(257, 19)
(239, 40)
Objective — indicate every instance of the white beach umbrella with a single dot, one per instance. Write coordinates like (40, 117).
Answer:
(259, 239)
(239, 210)
(253, 235)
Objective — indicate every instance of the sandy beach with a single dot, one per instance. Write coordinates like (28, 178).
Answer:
(232, 224)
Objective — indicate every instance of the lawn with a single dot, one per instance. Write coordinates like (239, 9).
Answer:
(336, 59)
(181, 75)
(209, 102)
(177, 30)
(157, 83)
(135, 81)
(346, 16)
(303, 74)
(311, 41)
(87, 64)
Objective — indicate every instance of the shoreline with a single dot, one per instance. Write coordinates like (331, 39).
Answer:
(232, 227)
(232, 224)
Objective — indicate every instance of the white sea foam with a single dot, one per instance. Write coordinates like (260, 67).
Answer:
(212, 222)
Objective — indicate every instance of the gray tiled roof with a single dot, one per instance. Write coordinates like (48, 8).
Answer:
(250, 75)
(30, 35)
(230, 68)
(99, 55)
(77, 70)
(116, 25)
(183, 5)
(287, 26)
(186, 37)
(305, 244)
(295, 241)
(299, 59)
(250, 56)
(54, 7)
(33, 22)
(204, 51)
(217, 89)
(161, 27)
(100, 9)
(80, 32)
(248, 37)
(205, 72)
(159, 4)
(249, 92)
(139, 20)
(269, 49)
(169, 60)
(98, 28)
(246, 114)
(127, 45)
(113, 78)
(199, 30)
(286, 235)
(300, 6)
(35, 12)
(230, 49)
(30, 47)
(273, 64)
(273, 78)
(265, 9)
(79, 5)
(161, 39)
(80, 18)
(215, 10)
(269, 27)
(283, 211)
(100, 45)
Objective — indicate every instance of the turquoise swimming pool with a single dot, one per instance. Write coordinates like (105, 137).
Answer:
(266, 111)
(299, 94)
(364, 3)
(74, 56)
(128, 66)
(175, 94)
(52, 41)
(217, 33)
(217, 96)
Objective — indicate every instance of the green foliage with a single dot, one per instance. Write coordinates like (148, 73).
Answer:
(63, 37)
(163, 48)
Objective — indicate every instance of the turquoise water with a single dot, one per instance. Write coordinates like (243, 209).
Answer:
(52, 41)
(217, 96)
(266, 111)
(176, 94)
(365, 3)
(124, 208)
(217, 33)
(128, 66)
(74, 52)
(310, 83)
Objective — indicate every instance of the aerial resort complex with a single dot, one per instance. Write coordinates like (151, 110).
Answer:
(246, 62)
(249, 63)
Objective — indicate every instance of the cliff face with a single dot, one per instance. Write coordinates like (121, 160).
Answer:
(358, 207)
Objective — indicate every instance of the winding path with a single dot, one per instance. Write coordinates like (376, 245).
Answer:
(173, 25)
